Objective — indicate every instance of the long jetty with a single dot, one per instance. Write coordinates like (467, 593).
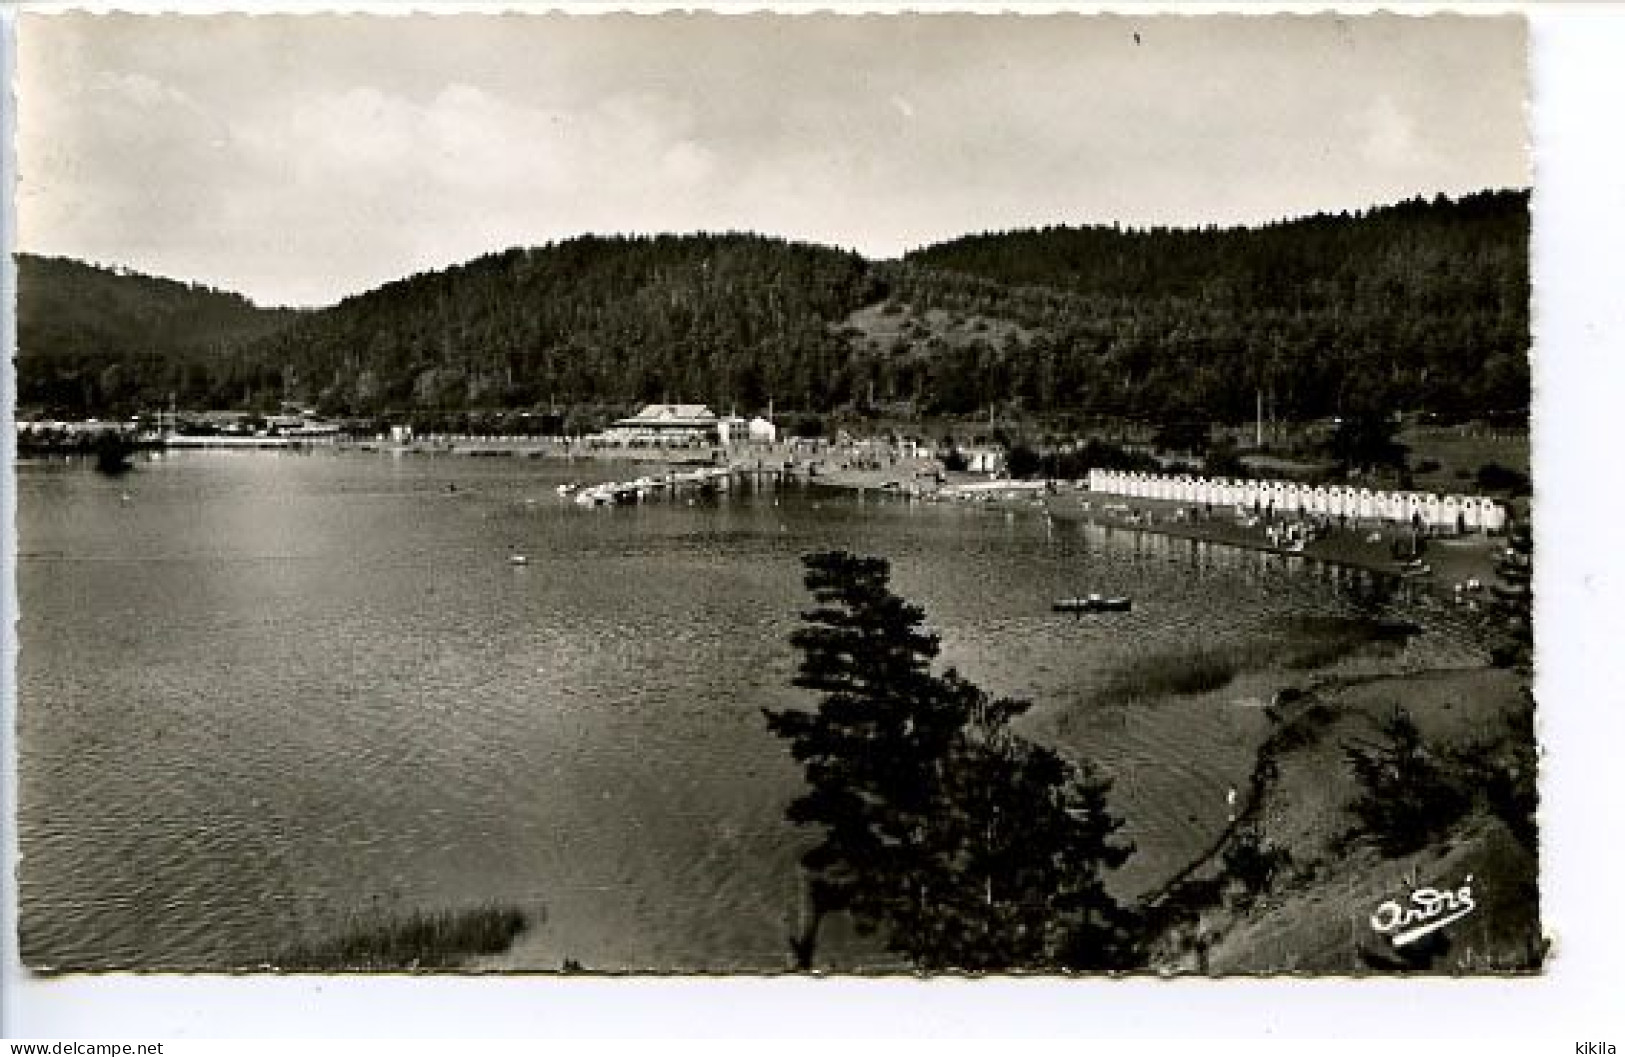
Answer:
(705, 478)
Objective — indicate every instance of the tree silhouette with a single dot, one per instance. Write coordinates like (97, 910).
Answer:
(1409, 793)
(1365, 439)
(967, 846)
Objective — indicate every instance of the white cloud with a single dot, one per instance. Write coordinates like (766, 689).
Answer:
(1390, 137)
(303, 159)
(147, 93)
(687, 163)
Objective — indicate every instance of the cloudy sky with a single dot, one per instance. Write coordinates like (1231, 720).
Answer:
(301, 159)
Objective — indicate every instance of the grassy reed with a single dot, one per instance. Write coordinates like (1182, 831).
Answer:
(1307, 643)
(419, 940)
(1194, 671)
(1316, 642)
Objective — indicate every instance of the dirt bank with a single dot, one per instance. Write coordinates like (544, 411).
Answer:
(1315, 914)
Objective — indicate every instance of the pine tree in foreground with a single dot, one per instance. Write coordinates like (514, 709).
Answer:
(966, 845)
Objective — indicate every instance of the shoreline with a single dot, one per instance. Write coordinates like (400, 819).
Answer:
(1324, 867)
(1437, 691)
(1453, 560)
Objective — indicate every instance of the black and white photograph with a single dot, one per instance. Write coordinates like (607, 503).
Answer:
(715, 493)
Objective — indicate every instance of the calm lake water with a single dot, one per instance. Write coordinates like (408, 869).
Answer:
(263, 694)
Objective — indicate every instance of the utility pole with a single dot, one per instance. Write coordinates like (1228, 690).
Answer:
(1258, 431)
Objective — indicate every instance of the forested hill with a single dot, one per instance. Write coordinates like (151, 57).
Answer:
(735, 320)
(1292, 263)
(1418, 306)
(1424, 304)
(93, 339)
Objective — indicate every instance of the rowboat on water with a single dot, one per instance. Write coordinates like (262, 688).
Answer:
(1092, 604)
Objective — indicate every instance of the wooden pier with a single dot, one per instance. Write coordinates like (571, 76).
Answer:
(705, 479)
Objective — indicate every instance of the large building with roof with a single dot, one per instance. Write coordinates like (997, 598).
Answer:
(685, 425)
(669, 424)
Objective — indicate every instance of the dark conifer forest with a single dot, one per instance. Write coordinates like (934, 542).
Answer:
(1419, 306)
(95, 340)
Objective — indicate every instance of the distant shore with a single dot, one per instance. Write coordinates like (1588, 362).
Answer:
(1451, 560)
(1365, 545)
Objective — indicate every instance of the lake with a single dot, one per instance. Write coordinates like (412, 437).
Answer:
(264, 694)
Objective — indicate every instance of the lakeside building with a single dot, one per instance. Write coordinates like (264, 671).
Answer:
(680, 425)
(668, 425)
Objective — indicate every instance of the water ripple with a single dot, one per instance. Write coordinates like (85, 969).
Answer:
(273, 693)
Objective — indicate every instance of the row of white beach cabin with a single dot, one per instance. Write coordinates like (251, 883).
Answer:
(1448, 512)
